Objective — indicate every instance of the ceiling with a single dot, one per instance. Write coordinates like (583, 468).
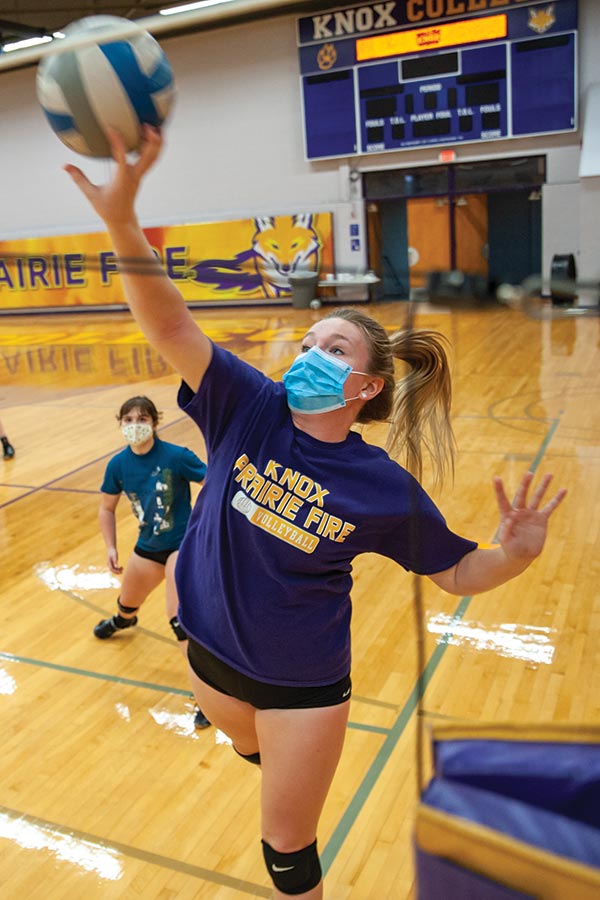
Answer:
(22, 19)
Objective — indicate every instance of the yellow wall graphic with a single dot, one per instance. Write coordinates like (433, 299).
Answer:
(247, 259)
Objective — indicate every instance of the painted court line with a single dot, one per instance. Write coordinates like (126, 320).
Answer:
(48, 485)
(340, 833)
(131, 682)
(154, 859)
(100, 676)
(102, 612)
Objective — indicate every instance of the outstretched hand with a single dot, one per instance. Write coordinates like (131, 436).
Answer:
(523, 525)
(114, 202)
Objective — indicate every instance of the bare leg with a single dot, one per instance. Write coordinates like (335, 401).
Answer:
(234, 717)
(140, 578)
(201, 720)
(300, 750)
(172, 600)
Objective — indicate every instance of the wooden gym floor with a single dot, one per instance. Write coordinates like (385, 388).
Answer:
(106, 790)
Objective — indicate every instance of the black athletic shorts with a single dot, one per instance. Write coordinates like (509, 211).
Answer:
(158, 556)
(223, 678)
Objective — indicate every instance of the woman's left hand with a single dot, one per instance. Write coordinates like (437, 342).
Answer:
(523, 525)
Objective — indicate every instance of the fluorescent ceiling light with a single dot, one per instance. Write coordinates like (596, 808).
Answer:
(29, 42)
(189, 6)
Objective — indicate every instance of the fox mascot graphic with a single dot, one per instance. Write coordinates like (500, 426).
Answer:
(281, 246)
(542, 19)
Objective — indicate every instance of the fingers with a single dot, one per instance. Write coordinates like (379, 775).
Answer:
(81, 180)
(113, 563)
(520, 501)
(503, 501)
(558, 498)
(117, 146)
(148, 152)
(150, 149)
(540, 491)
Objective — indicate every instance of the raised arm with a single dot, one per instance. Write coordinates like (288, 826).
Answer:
(521, 536)
(157, 305)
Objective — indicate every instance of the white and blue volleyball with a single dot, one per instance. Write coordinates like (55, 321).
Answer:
(106, 73)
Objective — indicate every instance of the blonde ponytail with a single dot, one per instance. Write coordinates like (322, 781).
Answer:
(418, 405)
(420, 414)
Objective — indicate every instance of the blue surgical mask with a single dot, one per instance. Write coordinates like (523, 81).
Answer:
(315, 382)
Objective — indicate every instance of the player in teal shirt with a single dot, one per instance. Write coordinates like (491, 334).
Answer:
(155, 476)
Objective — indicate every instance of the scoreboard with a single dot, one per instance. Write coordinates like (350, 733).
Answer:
(393, 75)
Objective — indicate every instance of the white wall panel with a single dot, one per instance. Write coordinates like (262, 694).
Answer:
(235, 149)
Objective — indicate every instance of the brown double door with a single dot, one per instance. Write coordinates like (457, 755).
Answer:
(429, 228)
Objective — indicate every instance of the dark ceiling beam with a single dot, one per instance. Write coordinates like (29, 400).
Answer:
(19, 28)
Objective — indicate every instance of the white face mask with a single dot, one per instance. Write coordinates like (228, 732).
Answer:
(137, 432)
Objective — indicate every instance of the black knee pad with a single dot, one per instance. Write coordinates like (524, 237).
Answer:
(179, 632)
(293, 873)
(126, 609)
(251, 757)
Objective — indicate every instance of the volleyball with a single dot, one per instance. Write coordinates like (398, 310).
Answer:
(108, 72)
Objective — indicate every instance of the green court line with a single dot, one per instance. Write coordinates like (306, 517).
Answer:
(372, 701)
(361, 795)
(154, 859)
(131, 682)
(48, 484)
(376, 729)
(116, 679)
(363, 792)
(540, 454)
(544, 446)
(93, 606)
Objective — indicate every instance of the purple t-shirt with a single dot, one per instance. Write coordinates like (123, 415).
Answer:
(264, 570)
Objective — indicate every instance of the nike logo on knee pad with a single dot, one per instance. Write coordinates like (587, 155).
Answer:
(282, 868)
